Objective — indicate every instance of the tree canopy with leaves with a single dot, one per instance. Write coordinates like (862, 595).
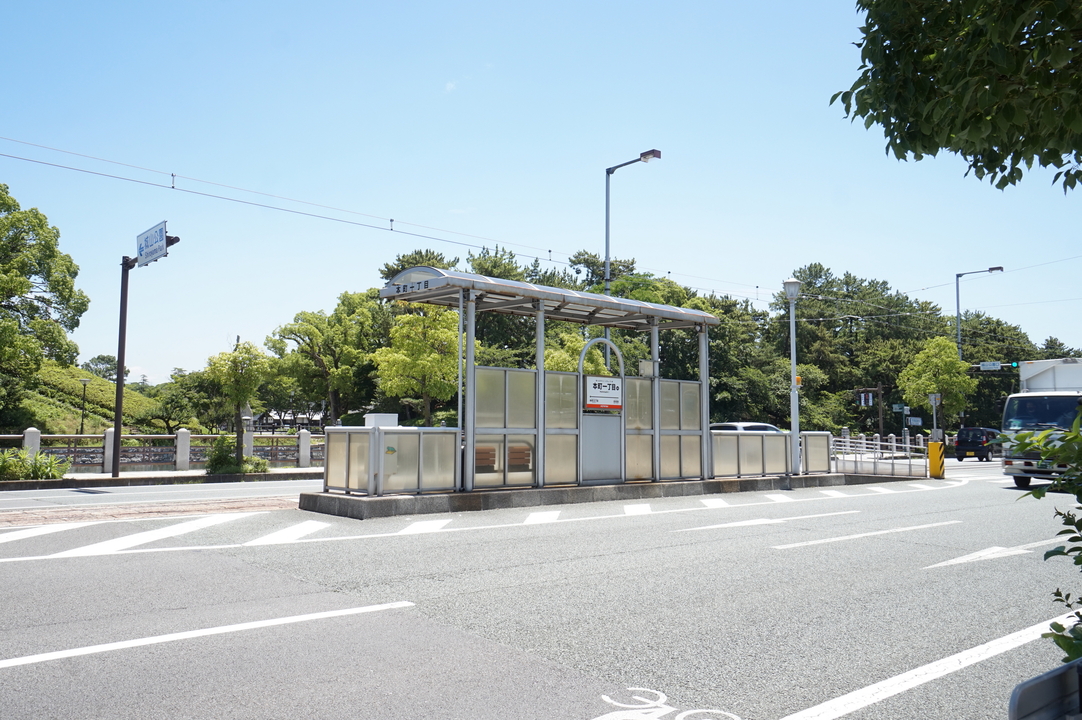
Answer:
(995, 81)
(39, 304)
(937, 369)
(240, 373)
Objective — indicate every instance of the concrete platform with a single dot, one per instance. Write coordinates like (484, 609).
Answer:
(360, 507)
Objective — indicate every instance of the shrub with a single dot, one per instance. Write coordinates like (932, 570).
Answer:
(222, 461)
(20, 465)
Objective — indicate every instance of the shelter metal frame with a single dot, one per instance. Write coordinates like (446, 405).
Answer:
(470, 294)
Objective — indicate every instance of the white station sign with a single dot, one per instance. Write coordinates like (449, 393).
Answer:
(603, 393)
(151, 244)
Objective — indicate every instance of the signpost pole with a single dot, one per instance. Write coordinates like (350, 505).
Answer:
(126, 264)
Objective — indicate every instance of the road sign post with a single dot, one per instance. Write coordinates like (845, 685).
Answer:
(150, 246)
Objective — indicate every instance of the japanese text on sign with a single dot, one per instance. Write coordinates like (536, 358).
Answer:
(603, 393)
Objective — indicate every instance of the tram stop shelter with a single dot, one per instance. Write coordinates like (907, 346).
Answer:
(524, 428)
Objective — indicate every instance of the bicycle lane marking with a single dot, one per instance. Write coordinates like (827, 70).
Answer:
(173, 637)
(858, 699)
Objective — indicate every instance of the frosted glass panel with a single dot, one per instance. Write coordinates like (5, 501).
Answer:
(440, 458)
(691, 460)
(561, 400)
(751, 454)
(358, 460)
(561, 459)
(400, 462)
(725, 458)
(335, 460)
(640, 454)
(670, 405)
(638, 404)
(816, 453)
(670, 456)
(775, 454)
(521, 400)
(490, 397)
(690, 418)
(489, 455)
(520, 459)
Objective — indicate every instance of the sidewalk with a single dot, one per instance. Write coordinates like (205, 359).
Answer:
(159, 477)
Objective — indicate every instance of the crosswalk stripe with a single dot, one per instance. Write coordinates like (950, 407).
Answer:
(918, 486)
(536, 518)
(423, 526)
(883, 490)
(780, 498)
(834, 493)
(290, 534)
(130, 541)
(639, 509)
(714, 502)
(41, 530)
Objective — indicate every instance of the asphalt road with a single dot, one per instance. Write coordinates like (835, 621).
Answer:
(899, 600)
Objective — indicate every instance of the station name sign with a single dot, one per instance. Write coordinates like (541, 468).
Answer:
(603, 393)
(411, 287)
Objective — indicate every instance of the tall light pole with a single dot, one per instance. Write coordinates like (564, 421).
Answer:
(643, 157)
(792, 291)
(82, 416)
(958, 302)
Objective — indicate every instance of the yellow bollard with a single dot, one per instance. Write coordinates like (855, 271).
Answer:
(936, 468)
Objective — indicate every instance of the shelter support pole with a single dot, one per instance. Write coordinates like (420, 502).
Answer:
(539, 443)
(655, 400)
(704, 402)
(469, 462)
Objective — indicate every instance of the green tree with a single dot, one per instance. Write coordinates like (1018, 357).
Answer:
(240, 373)
(937, 369)
(421, 364)
(39, 304)
(417, 258)
(594, 267)
(331, 354)
(104, 366)
(994, 81)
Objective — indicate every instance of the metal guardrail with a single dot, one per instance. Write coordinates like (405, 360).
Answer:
(860, 456)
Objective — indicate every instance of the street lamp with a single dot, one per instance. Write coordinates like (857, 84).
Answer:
(958, 302)
(792, 291)
(82, 416)
(643, 157)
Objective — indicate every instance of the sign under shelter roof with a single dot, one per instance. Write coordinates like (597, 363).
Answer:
(443, 287)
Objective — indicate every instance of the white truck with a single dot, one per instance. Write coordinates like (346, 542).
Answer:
(1050, 395)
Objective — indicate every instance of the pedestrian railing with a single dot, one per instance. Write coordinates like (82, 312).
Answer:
(179, 451)
(858, 455)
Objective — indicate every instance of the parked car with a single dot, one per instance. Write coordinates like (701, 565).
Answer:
(745, 427)
(973, 442)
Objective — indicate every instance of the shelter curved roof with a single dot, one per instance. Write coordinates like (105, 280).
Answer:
(442, 287)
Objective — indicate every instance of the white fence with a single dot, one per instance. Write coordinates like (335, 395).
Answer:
(858, 455)
(182, 451)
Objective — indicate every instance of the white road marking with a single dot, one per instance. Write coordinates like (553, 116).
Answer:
(714, 502)
(172, 637)
(863, 535)
(537, 518)
(640, 509)
(834, 493)
(996, 552)
(41, 530)
(423, 526)
(765, 521)
(290, 534)
(129, 541)
(918, 486)
(864, 697)
(876, 488)
(780, 498)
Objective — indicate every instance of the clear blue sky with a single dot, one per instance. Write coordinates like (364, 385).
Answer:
(483, 123)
